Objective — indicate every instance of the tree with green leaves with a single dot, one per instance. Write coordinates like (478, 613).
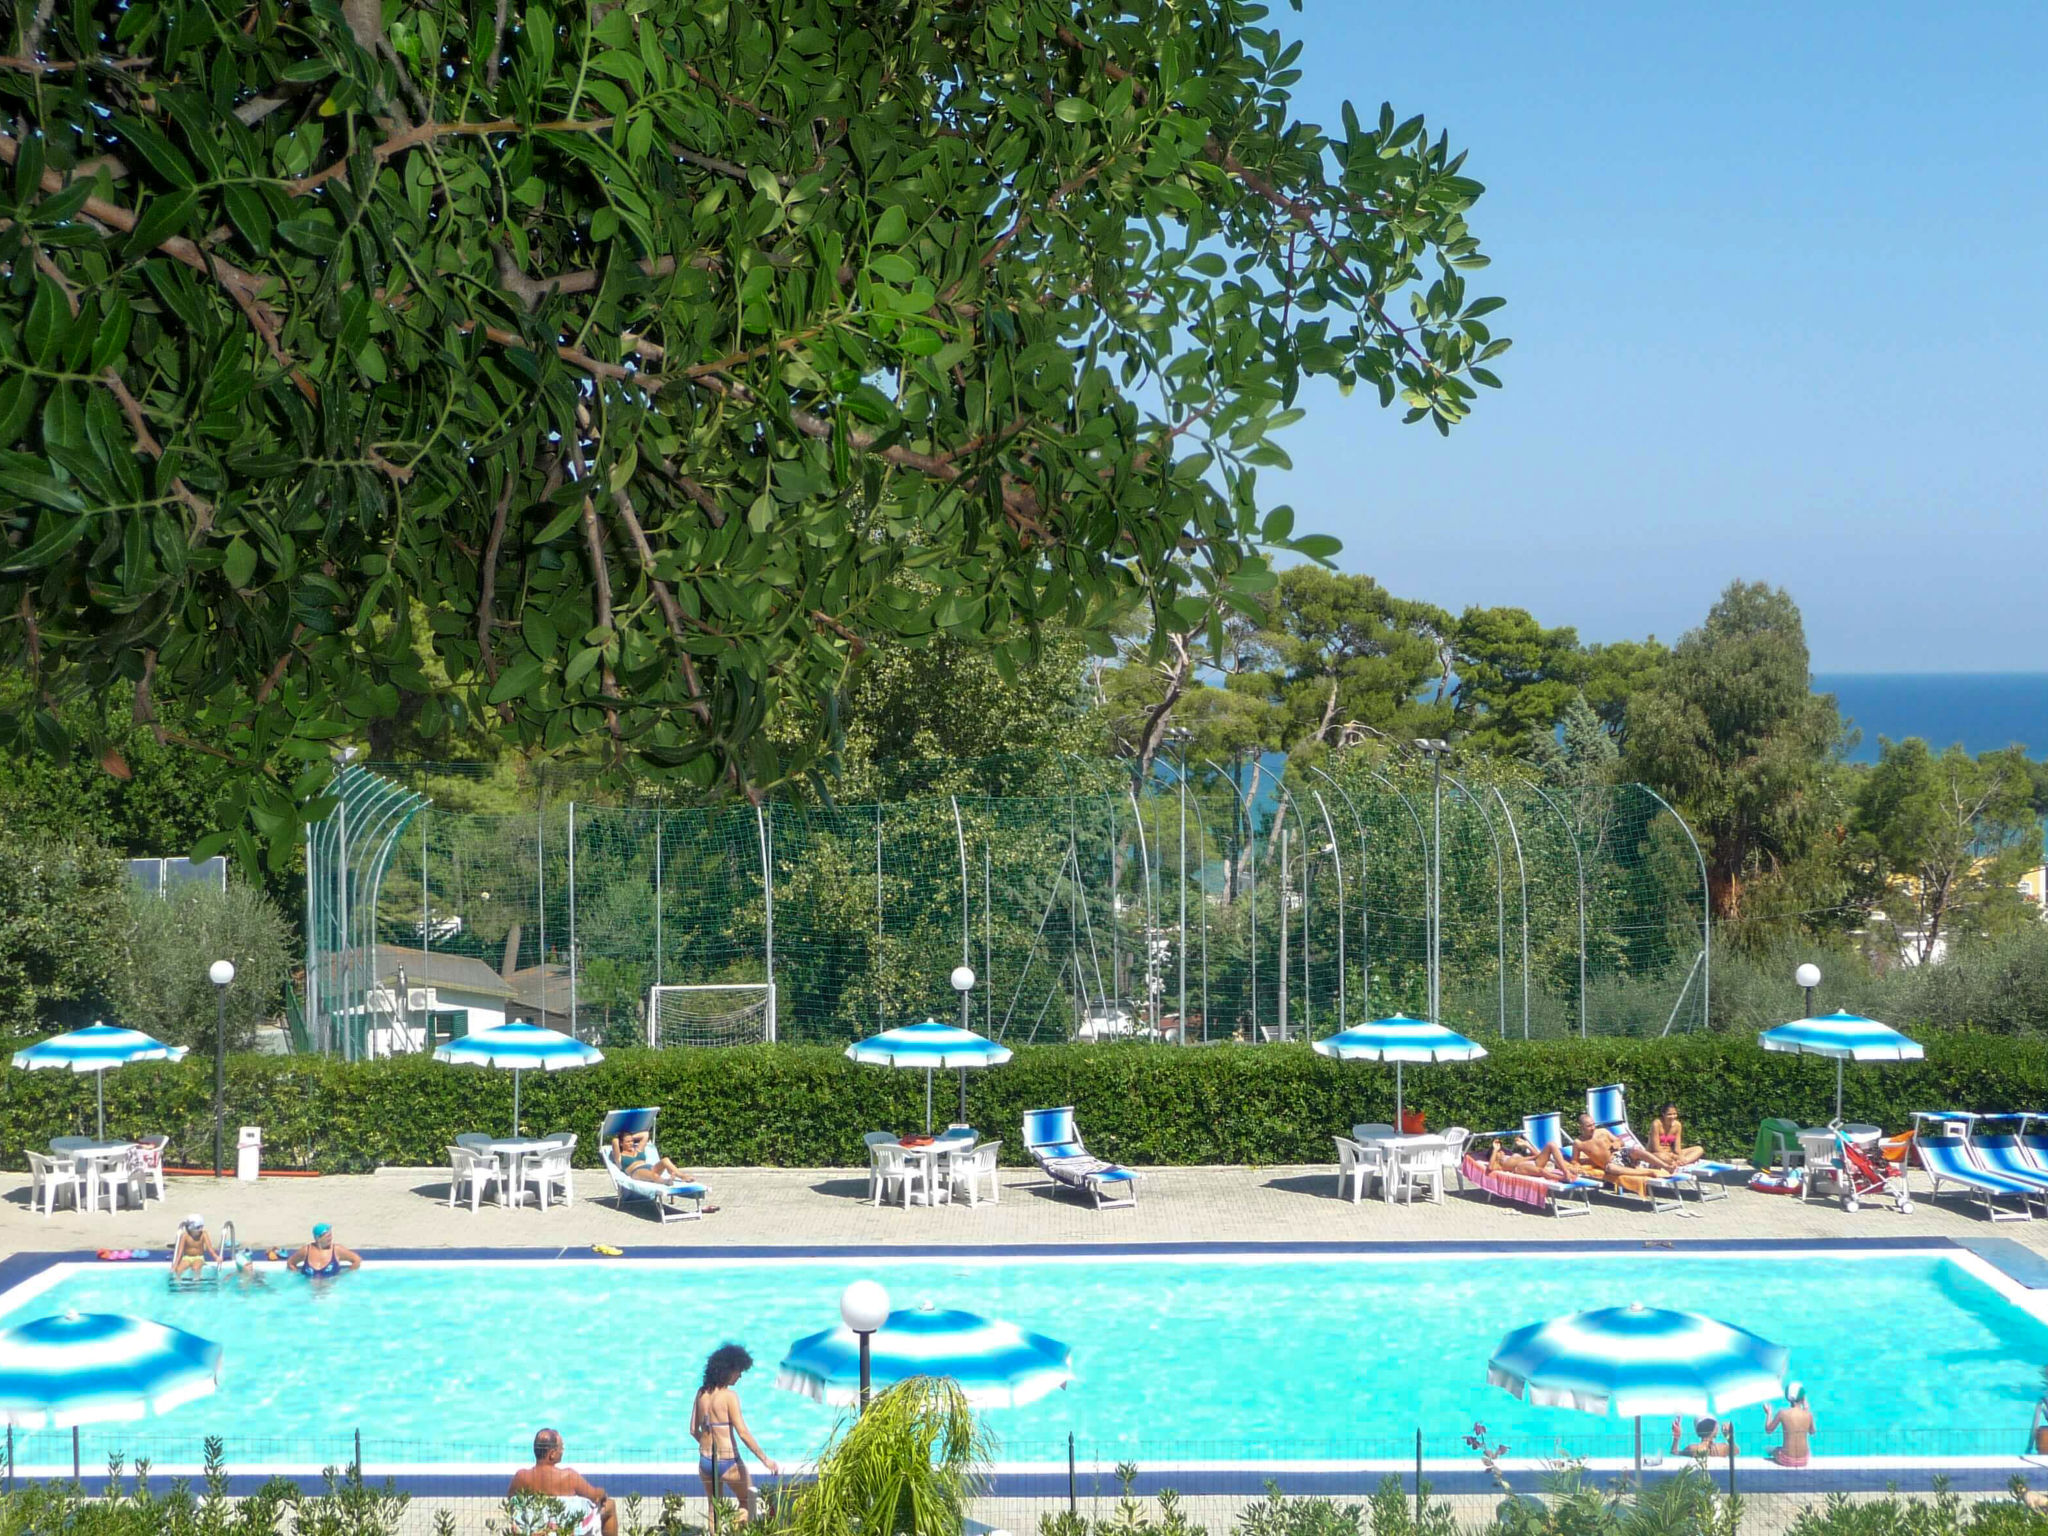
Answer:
(1943, 839)
(1734, 736)
(159, 983)
(627, 374)
(1516, 678)
(63, 922)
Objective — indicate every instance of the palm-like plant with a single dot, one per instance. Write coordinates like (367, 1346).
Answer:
(905, 1467)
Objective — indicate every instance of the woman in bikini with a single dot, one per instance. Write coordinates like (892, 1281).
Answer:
(1538, 1163)
(720, 1429)
(1667, 1138)
(636, 1162)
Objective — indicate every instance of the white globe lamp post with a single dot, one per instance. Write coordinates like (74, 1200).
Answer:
(1808, 976)
(220, 973)
(864, 1307)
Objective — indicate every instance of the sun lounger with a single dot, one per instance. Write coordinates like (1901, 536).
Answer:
(1996, 1142)
(1054, 1144)
(672, 1202)
(1943, 1144)
(1550, 1196)
(1608, 1105)
(1618, 1177)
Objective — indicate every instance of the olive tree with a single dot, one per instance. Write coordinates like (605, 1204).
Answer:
(624, 373)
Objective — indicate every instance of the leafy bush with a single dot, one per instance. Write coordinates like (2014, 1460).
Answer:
(807, 1106)
(62, 918)
(1943, 1515)
(160, 983)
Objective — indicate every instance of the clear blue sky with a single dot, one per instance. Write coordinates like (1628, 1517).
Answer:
(1776, 280)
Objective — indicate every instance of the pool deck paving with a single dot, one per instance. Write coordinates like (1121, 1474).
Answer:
(827, 1208)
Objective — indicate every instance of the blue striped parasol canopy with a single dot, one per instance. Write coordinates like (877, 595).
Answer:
(1638, 1360)
(930, 1046)
(997, 1364)
(100, 1368)
(1399, 1039)
(1845, 1037)
(98, 1049)
(520, 1046)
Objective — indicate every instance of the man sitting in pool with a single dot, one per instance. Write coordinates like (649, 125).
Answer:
(588, 1509)
(323, 1256)
(1709, 1439)
(637, 1162)
(194, 1249)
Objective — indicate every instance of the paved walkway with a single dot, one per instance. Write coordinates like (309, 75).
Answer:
(810, 1208)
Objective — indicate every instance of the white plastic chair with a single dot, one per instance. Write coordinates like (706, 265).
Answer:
(892, 1164)
(1410, 1168)
(1453, 1155)
(152, 1149)
(472, 1171)
(970, 1166)
(872, 1140)
(548, 1172)
(50, 1177)
(109, 1176)
(1355, 1163)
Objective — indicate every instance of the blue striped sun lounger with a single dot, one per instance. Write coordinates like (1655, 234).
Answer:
(1055, 1145)
(1945, 1152)
(2001, 1152)
(672, 1201)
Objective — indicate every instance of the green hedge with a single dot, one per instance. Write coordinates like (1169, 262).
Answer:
(806, 1106)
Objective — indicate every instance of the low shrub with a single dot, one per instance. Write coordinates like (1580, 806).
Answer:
(807, 1106)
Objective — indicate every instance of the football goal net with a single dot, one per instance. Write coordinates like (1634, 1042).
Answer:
(721, 1013)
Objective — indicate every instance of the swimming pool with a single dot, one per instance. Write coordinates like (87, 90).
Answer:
(1179, 1357)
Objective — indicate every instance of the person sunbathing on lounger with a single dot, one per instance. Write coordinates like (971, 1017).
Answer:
(1667, 1137)
(1601, 1150)
(1537, 1163)
(636, 1162)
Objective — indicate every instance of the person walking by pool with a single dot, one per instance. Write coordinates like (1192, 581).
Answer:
(193, 1249)
(1668, 1140)
(1795, 1420)
(323, 1256)
(589, 1510)
(720, 1429)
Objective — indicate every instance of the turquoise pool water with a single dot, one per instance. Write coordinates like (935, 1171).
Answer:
(1175, 1360)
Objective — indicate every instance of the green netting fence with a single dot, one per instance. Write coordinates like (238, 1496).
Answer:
(1222, 901)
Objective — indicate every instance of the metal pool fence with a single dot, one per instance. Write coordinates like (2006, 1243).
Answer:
(1132, 1486)
(1210, 901)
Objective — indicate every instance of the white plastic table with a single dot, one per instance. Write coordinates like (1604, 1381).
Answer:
(1387, 1149)
(512, 1153)
(86, 1158)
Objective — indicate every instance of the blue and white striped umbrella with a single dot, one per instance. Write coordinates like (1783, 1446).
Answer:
(520, 1046)
(930, 1046)
(1639, 1360)
(98, 1368)
(1845, 1037)
(997, 1364)
(1399, 1039)
(97, 1049)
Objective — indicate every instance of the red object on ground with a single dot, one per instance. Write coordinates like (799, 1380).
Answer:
(266, 1173)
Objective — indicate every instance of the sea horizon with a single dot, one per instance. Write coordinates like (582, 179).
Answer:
(1981, 711)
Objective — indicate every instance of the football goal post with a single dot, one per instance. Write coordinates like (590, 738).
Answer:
(714, 1013)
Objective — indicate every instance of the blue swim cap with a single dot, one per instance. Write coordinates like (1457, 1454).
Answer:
(321, 1229)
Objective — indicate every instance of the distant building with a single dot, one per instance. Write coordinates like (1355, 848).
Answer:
(160, 877)
(420, 998)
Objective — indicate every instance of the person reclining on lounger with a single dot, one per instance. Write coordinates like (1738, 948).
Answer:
(636, 1162)
(1601, 1150)
(1536, 1163)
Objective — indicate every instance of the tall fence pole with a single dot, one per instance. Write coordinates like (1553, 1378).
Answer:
(572, 920)
(1706, 914)
(1364, 919)
(1522, 872)
(764, 828)
(1579, 861)
(1251, 847)
(1500, 902)
(540, 885)
(1337, 864)
(660, 896)
(988, 938)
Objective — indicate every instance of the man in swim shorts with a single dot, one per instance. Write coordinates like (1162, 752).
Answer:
(1796, 1420)
(193, 1249)
(323, 1255)
(586, 1505)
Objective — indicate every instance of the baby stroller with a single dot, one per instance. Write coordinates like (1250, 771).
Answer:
(1864, 1176)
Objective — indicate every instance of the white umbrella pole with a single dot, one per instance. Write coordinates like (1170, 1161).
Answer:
(515, 1103)
(99, 1095)
(1397, 1098)
(1639, 1450)
(963, 1095)
(927, 1101)
(1838, 1090)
